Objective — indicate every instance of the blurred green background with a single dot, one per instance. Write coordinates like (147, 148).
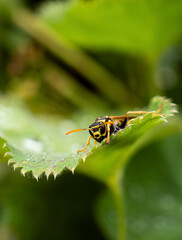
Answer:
(78, 60)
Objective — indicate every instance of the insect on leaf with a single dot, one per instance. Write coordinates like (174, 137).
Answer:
(39, 146)
(105, 161)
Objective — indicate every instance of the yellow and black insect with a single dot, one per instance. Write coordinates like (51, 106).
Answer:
(104, 126)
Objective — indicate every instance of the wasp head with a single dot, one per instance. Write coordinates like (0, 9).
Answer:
(98, 129)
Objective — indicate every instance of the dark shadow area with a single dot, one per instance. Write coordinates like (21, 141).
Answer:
(61, 209)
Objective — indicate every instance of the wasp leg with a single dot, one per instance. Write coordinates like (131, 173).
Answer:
(88, 141)
(129, 122)
(156, 113)
(135, 113)
(122, 117)
(130, 114)
(108, 133)
(160, 109)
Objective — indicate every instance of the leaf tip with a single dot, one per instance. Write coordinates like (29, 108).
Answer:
(6, 154)
(55, 176)
(23, 172)
(4, 145)
(36, 177)
(47, 175)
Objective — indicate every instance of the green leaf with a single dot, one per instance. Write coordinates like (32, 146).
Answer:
(152, 186)
(41, 163)
(105, 161)
(144, 27)
(153, 197)
(37, 144)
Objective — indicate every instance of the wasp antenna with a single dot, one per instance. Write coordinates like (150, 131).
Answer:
(77, 130)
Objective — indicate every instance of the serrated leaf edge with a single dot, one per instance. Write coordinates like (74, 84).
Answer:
(137, 120)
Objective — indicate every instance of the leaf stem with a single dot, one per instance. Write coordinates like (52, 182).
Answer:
(117, 191)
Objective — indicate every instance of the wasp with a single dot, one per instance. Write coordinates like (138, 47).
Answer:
(104, 126)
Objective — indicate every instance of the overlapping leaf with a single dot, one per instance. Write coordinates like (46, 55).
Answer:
(133, 26)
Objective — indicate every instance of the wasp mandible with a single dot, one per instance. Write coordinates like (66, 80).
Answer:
(104, 126)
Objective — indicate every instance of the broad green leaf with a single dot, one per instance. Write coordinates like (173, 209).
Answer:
(153, 197)
(36, 144)
(152, 191)
(144, 27)
(39, 145)
(41, 163)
